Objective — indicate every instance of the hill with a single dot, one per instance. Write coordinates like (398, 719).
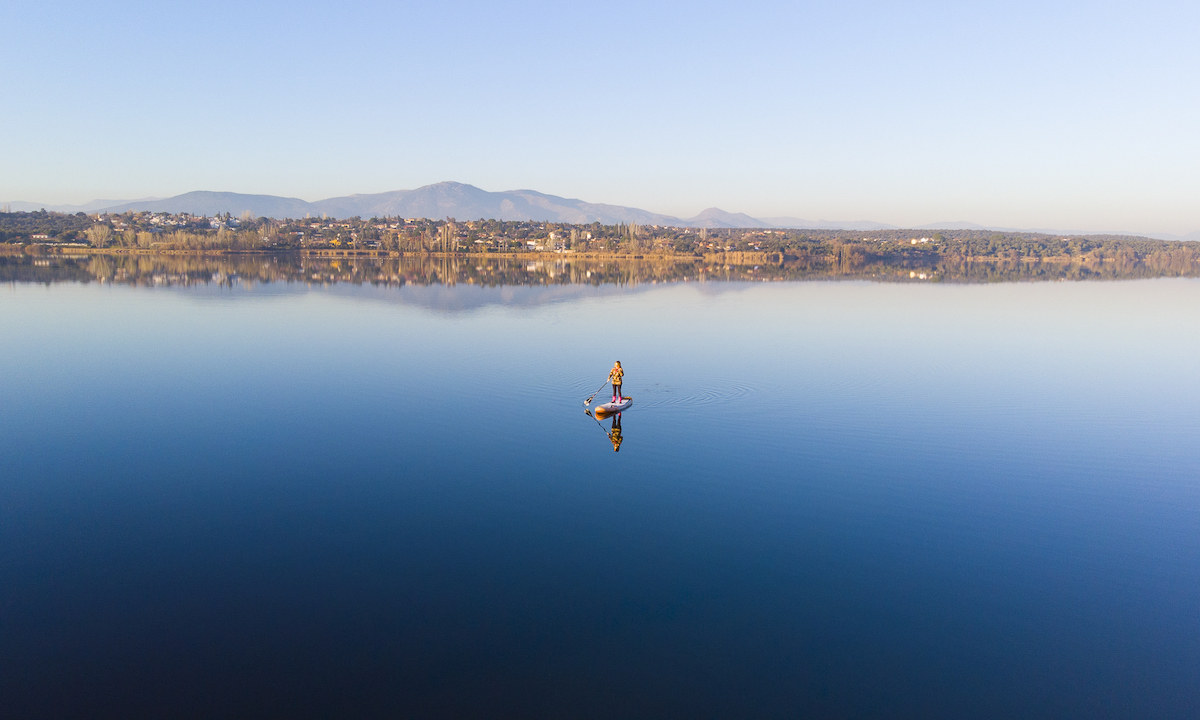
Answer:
(437, 201)
(718, 218)
(440, 200)
(203, 202)
(467, 202)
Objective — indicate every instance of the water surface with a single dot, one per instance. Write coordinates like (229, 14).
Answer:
(832, 499)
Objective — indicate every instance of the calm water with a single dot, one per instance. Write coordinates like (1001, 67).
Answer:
(833, 499)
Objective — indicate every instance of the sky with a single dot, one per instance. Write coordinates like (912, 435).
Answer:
(1071, 115)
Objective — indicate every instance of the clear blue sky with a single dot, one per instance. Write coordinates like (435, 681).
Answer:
(1029, 114)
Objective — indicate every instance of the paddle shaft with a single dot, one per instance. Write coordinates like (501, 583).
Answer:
(585, 402)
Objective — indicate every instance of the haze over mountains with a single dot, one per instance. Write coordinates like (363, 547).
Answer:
(467, 202)
(441, 200)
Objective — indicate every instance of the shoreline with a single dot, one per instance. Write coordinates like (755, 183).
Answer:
(735, 258)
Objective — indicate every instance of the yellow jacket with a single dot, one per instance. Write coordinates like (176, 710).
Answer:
(615, 375)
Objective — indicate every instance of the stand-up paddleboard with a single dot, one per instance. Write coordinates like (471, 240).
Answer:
(614, 407)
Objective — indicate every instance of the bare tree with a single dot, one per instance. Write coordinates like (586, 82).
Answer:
(99, 234)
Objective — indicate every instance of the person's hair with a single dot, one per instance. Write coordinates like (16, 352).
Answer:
(618, 363)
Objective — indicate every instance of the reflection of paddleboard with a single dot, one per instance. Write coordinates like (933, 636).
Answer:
(614, 407)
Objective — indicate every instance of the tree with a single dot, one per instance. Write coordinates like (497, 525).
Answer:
(99, 235)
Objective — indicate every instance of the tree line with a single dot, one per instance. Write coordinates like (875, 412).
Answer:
(836, 251)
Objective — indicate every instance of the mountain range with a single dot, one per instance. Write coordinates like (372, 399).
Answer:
(440, 200)
(467, 202)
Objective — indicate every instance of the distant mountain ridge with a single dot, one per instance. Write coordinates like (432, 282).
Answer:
(88, 207)
(467, 202)
(440, 200)
(203, 202)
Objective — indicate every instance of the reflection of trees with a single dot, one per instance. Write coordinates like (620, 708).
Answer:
(101, 267)
(848, 262)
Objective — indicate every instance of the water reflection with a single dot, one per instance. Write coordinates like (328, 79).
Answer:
(613, 431)
(249, 270)
(842, 500)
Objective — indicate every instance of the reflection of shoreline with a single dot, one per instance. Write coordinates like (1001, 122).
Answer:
(188, 269)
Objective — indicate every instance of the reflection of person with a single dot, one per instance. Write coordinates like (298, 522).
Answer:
(615, 434)
(615, 376)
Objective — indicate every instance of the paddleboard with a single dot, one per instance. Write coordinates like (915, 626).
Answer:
(615, 407)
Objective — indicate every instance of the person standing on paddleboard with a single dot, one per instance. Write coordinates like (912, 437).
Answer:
(615, 376)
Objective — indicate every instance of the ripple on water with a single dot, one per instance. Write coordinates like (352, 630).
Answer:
(659, 395)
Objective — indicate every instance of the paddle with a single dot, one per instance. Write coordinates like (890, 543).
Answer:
(589, 400)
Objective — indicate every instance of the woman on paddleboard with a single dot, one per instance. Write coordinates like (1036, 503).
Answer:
(615, 376)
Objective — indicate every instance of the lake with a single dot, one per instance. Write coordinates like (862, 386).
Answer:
(363, 490)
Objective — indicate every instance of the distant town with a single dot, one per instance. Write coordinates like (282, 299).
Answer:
(165, 231)
(43, 232)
